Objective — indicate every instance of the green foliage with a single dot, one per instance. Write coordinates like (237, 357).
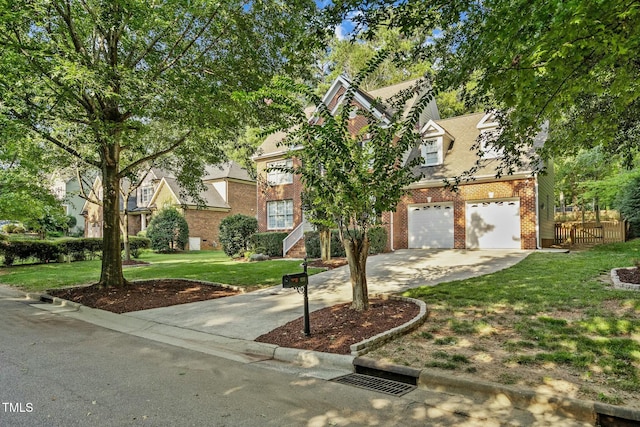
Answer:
(350, 57)
(377, 240)
(351, 176)
(137, 244)
(312, 244)
(49, 250)
(235, 233)
(270, 243)
(117, 85)
(168, 231)
(13, 228)
(628, 203)
(571, 63)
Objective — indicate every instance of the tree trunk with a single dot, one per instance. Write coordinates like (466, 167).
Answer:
(325, 244)
(357, 251)
(111, 273)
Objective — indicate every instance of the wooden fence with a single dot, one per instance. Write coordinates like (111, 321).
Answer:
(577, 233)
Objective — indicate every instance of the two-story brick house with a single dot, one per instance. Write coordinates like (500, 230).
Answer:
(511, 212)
(228, 190)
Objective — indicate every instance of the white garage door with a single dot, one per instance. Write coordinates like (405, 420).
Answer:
(493, 225)
(431, 226)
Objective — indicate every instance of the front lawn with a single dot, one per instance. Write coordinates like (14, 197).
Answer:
(552, 322)
(211, 266)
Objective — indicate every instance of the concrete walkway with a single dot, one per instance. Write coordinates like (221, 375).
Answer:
(248, 316)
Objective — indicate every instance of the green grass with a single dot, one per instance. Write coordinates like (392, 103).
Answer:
(601, 335)
(211, 266)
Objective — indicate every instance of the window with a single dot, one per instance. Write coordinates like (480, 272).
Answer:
(431, 152)
(279, 177)
(145, 195)
(280, 214)
(487, 137)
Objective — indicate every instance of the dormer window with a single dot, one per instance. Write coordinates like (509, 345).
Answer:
(433, 143)
(487, 140)
(489, 132)
(432, 152)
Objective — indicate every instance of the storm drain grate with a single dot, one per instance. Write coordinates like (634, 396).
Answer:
(382, 385)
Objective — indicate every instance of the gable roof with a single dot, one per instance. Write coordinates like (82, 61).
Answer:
(211, 198)
(332, 99)
(224, 170)
(459, 157)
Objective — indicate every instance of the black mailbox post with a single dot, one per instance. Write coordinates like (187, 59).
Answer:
(300, 280)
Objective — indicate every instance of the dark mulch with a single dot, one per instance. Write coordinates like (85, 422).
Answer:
(335, 329)
(143, 295)
(629, 275)
(332, 263)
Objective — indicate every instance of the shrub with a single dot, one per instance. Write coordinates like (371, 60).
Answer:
(168, 231)
(13, 229)
(377, 240)
(271, 243)
(628, 204)
(137, 244)
(312, 244)
(235, 233)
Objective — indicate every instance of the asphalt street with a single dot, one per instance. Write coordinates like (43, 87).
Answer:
(58, 371)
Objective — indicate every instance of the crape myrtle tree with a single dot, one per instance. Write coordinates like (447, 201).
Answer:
(350, 178)
(121, 83)
(574, 64)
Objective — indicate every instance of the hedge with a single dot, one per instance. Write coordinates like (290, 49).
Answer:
(268, 243)
(52, 250)
(377, 240)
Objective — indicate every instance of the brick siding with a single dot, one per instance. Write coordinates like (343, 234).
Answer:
(520, 189)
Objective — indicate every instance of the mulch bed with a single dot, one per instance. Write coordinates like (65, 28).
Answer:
(335, 329)
(143, 295)
(629, 275)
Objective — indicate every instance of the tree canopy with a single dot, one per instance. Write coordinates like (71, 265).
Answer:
(120, 83)
(574, 64)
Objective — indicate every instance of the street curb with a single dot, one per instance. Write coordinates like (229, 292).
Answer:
(363, 347)
(249, 352)
(314, 359)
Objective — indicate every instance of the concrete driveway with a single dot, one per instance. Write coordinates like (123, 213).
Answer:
(250, 315)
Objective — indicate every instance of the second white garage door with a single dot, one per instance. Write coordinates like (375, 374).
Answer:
(493, 225)
(431, 226)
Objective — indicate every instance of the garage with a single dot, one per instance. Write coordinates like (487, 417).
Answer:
(430, 226)
(493, 225)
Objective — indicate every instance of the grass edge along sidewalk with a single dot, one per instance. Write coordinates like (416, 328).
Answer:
(550, 322)
(210, 266)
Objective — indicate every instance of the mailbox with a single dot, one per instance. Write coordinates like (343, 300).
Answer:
(295, 280)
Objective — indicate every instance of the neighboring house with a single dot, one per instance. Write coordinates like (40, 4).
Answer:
(67, 189)
(228, 190)
(511, 212)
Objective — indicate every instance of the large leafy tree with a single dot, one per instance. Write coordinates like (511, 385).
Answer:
(573, 63)
(351, 176)
(24, 194)
(121, 83)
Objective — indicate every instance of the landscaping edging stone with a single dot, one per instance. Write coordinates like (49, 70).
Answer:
(363, 347)
(619, 284)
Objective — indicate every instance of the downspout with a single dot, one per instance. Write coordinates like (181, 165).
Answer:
(391, 237)
(535, 187)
